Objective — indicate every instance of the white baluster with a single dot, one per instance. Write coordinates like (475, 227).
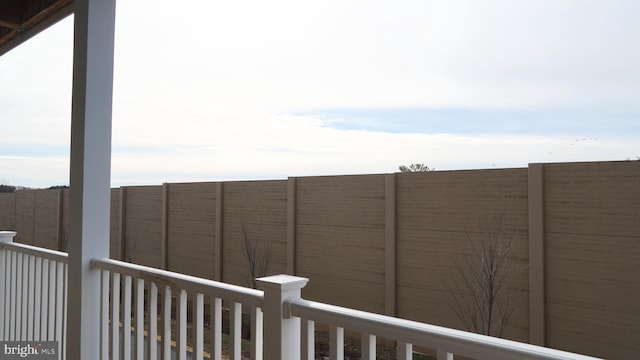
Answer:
(140, 319)
(198, 325)
(336, 343)
(115, 317)
(235, 330)
(182, 325)
(368, 347)
(153, 320)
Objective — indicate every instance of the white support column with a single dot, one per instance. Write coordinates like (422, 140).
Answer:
(281, 332)
(90, 177)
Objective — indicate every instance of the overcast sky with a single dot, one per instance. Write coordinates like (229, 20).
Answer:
(229, 90)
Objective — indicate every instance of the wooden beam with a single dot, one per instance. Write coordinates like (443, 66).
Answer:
(9, 24)
(34, 24)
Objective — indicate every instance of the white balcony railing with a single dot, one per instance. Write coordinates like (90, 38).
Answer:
(147, 313)
(33, 293)
(154, 287)
(445, 341)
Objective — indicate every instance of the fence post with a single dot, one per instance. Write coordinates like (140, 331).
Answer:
(390, 209)
(291, 226)
(218, 268)
(536, 255)
(164, 231)
(122, 223)
(281, 332)
(62, 246)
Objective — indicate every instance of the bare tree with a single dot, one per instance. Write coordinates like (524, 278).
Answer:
(7, 188)
(63, 243)
(129, 250)
(415, 168)
(257, 253)
(482, 298)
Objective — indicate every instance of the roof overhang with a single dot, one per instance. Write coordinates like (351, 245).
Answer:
(21, 20)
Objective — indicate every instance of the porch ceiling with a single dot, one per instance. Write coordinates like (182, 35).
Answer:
(22, 19)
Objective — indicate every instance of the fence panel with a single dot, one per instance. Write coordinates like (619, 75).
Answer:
(441, 217)
(255, 218)
(25, 216)
(191, 228)
(7, 210)
(340, 239)
(592, 257)
(45, 227)
(143, 225)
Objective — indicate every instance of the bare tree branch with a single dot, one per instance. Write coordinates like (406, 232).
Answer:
(482, 299)
(257, 254)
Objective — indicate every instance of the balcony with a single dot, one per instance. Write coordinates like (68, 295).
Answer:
(185, 314)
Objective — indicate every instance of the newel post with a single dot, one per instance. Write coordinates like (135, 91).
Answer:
(281, 332)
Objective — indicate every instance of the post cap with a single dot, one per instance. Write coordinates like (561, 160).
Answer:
(7, 236)
(283, 282)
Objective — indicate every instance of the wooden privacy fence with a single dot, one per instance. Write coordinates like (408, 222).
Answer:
(388, 243)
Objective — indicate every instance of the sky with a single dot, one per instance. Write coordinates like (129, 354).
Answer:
(250, 90)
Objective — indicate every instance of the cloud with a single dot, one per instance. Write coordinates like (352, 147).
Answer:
(281, 145)
(34, 170)
(382, 53)
(230, 89)
(250, 146)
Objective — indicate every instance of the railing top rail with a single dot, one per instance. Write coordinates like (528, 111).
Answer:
(35, 251)
(207, 287)
(425, 335)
